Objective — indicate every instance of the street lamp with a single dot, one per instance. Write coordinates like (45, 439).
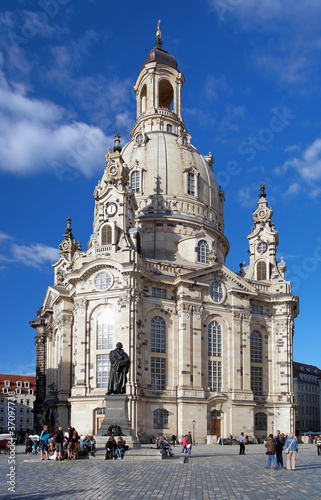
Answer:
(193, 422)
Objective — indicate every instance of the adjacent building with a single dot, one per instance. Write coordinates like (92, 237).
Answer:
(17, 396)
(307, 397)
(208, 345)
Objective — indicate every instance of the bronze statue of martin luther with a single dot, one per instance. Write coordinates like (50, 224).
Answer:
(119, 366)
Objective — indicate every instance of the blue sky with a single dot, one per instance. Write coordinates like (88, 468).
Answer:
(251, 97)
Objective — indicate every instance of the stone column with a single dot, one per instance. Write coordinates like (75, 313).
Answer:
(197, 347)
(184, 344)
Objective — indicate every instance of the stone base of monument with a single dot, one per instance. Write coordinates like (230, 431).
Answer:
(143, 453)
(116, 416)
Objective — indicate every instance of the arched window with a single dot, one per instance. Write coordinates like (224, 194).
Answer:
(135, 181)
(166, 94)
(106, 235)
(256, 347)
(261, 270)
(260, 422)
(158, 335)
(143, 97)
(214, 339)
(191, 184)
(202, 252)
(160, 418)
(105, 330)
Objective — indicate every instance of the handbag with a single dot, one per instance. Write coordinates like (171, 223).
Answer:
(287, 450)
(269, 453)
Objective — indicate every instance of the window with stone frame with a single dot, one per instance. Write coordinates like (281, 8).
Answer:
(158, 373)
(215, 375)
(257, 380)
(135, 181)
(260, 421)
(191, 184)
(256, 347)
(158, 335)
(203, 252)
(261, 273)
(214, 339)
(105, 331)
(106, 235)
(159, 292)
(102, 370)
(160, 418)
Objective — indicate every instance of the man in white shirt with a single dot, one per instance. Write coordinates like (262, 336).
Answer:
(242, 444)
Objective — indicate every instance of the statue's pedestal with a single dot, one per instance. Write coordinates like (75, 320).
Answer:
(116, 414)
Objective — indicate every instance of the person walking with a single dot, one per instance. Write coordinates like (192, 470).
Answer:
(242, 444)
(291, 450)
(318, 444)
(279, 443)
(270, 446)
(189, 441)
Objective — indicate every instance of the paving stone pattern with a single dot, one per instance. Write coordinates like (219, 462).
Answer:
(211, 472)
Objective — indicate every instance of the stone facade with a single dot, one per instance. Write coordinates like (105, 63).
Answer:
(206, 344)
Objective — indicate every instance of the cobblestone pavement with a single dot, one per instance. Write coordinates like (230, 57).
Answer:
(212, 472)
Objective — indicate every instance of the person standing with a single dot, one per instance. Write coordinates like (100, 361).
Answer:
(279, 443)
(318, 444)
(291, 445)
(58, 439)
(43, 443)
(270, 446)
(230, 439)
(242, 444)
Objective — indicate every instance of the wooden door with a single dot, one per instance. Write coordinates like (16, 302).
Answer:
(99, 422)
(215, 427)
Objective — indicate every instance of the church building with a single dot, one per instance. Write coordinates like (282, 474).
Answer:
(210, 348)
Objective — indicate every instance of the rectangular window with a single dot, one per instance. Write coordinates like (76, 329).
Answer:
(28, 421)
(2, 401)
(5, 390)
(299, 397)
(19, 384)
(102, 370)
(257, 380)
(1, 410)
(191, 184)
(21, 410)
(256, 309)
(28, 402)
(21, 401)
(27, 385)
(31, 392)
(302, 397)
(215, 375)
(105, 336)
(7, 383)
(158, 373)
(159, 292)
(18, 391)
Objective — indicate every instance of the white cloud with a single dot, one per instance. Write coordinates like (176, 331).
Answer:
(308, 165)
(35, 134)
(292, 148)
(213, 87)
(34, 255)
(294, 189)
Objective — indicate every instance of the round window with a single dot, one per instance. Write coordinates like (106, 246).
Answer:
(262, 247)
(217, 291)
(139, 139)
(103, 281)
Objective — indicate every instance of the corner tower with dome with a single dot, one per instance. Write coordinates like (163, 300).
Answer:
(208, 347)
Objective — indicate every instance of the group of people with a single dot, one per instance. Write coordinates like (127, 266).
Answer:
(59, 445)
(164, 443)
(279, 444)
(115, 450)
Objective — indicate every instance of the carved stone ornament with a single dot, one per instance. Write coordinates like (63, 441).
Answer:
(80, 307)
